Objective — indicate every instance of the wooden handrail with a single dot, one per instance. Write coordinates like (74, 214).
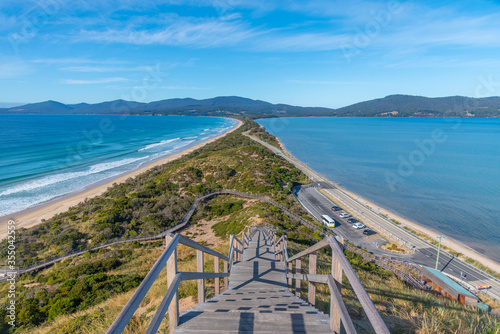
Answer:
(336, 298)
(339, 264)
(314, 248)
(367, 304)
(128, 311)
(168, 258)
(165, 303)
(316, 278)
(236, 238)
(193, 244)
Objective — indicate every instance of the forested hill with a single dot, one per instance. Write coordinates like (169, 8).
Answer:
(419, 106)
(389, 106)
(218, 106)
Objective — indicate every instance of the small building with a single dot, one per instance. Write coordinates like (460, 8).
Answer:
(449, 288)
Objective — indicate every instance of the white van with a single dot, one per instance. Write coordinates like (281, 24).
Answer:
(328, 221)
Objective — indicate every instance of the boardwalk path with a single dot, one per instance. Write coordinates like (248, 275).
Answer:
(257, 301)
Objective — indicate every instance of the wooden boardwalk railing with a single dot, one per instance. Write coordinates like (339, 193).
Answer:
(340, 265)
(257, 299)
(170, 301)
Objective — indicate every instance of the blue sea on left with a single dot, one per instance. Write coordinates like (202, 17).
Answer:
(43, 157)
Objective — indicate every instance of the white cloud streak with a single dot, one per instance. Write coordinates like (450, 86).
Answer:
(91, 82)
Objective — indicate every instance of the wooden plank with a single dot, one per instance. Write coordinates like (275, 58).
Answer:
(128, 311)
(312, 286)
(226, 278)
(231, 252)
(323, 279)
(189, 275)
(162, 309)
(238, 240)
(317, 246)
(337, 302)
(285, 250)
(371, 311)
(193, 244)
(217, 279)
(297, 281)
(290, 279)
(201, 282)
(173, 310)
(334, 309)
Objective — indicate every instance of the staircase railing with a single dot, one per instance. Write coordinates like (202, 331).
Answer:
(338, 311)
(168, 259)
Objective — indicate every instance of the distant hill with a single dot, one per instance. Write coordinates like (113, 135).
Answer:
(218, 106)
(419, 106)
(389, 106)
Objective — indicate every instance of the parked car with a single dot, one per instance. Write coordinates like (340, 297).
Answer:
(336, 208)
(369, 232)
(344, 215)
(352, 220)
(358, 226)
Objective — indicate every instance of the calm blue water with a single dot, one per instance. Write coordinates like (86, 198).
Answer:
(46, 156)
(441, 173)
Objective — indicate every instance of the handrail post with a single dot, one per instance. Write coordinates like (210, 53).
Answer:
(312, 286)
(231, 245)
(285, 249)
(217, 279)
(240, 256)
(290, 281)
(225, 278)
(337, 277)
(297, 281)
(201, 282)
(173, 309)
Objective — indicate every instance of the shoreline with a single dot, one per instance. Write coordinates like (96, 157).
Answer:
(428, 232)
(33, 216)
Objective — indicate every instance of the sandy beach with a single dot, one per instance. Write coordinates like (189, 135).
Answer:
(448, 242)
(32, 217)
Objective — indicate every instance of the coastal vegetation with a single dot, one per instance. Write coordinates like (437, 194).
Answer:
(84, 294)
(263, 135)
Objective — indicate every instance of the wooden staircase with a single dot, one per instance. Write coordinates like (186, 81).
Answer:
(257, 301)
(258, 298)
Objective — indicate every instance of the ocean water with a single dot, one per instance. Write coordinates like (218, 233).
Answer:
(43, 157)
(441, 173)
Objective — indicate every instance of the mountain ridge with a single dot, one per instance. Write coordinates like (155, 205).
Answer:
(396, 105)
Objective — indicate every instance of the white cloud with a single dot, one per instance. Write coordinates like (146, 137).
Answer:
(184, 88)
(90, 82)
(99, 69)
(183, 31)
(332, 83)
(69, 60)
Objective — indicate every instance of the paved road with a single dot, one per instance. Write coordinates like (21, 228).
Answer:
(424, 253)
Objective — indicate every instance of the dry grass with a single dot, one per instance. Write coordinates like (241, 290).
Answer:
(403, 308)
(97, 319)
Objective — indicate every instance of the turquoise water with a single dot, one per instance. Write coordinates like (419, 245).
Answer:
(441, 173)
(43, 157)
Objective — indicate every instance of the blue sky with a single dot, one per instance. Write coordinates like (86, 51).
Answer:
(309, 53)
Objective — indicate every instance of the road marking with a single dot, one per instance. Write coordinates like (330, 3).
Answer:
(371, 238)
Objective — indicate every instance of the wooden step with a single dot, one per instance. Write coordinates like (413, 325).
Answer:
(257, 301)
